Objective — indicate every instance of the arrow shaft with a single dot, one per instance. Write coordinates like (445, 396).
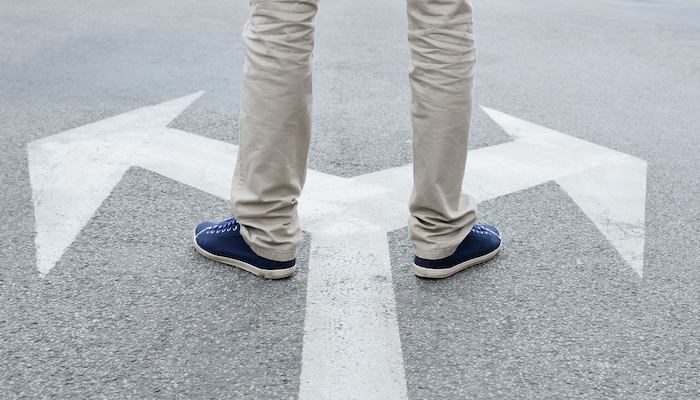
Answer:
(352, 348)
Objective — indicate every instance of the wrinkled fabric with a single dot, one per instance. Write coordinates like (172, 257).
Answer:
(275, 124)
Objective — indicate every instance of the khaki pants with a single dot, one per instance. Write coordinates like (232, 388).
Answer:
(275, 124)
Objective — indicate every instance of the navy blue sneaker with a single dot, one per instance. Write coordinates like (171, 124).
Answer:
(480, 245)
(223, 242)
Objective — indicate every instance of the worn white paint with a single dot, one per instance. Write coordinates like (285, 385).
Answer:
(73, 172)
(352, 348)
(609, 186)
(351, 338)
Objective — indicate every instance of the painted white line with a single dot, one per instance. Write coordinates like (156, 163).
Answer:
(608, 186)
(611, 196)
(352, 348)
(71, 173)
(351, 339)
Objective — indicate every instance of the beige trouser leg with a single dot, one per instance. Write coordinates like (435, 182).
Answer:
(275, 125)
(442, 73)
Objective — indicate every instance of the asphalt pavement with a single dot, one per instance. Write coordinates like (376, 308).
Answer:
(128, 309)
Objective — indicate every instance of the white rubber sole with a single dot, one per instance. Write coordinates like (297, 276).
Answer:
(438, 273)
(264, 273)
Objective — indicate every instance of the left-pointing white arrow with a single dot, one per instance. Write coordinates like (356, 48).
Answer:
(73, 172)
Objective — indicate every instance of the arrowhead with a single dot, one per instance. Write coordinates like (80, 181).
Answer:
(72, 172)
(608, 186)
(614, 198)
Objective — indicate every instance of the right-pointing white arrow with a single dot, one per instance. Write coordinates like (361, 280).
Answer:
(609, 186)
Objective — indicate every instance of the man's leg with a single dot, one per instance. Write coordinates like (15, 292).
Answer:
(275, 125)
(275, 131)
(443, 55)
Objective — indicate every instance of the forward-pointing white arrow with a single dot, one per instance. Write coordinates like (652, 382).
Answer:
(350, 311)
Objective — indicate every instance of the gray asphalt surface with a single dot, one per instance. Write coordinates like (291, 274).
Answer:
(131, 311)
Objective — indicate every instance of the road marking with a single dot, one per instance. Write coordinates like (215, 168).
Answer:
(73, 172)
(609, 186)
(352, 348)
(351, 311)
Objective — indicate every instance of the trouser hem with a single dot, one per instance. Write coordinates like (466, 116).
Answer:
(281, 256)
(273, 255)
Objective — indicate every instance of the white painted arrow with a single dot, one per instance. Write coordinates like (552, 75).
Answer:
(71, 173)
(351, 339)
(609, 186)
